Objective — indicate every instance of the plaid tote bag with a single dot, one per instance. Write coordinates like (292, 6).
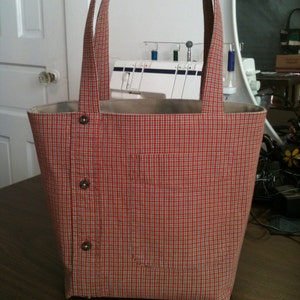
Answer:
(149, 198)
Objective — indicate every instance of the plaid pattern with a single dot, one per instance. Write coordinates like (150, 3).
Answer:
(149, 206)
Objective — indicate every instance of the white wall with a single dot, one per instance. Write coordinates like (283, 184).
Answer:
(134, 21)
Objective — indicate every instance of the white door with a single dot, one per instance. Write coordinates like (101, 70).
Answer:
(32, 40)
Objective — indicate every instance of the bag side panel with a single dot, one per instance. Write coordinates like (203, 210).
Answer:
(52, 137)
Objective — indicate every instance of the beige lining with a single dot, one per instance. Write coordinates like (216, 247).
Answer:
(146, 106)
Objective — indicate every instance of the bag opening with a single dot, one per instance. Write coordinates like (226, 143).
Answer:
(147, 106)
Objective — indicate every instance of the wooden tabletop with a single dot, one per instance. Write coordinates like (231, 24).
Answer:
(30, 267)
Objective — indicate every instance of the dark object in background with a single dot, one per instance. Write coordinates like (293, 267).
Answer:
(284, 226)
(290, 37)
(287, 201)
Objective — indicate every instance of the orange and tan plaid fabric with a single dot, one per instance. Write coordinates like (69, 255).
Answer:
(148, 206)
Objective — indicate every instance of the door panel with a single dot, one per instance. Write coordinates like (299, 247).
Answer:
(32, 40)
(14, 80)
(17, 153)
(5, 166)
(30, 18)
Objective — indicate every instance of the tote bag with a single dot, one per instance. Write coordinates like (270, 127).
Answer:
(149, 198)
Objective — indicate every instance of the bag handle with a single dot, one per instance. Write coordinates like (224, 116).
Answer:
(288, 24)
(94, 85)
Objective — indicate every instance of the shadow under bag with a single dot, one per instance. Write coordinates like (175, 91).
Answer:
(149, 198)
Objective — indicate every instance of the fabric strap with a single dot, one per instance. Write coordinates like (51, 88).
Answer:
(288, 25)
(95, 65)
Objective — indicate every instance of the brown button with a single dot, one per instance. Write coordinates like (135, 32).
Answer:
(83, 120)
(84, 184)
(86, 246)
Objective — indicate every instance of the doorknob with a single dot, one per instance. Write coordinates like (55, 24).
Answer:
(47, 78)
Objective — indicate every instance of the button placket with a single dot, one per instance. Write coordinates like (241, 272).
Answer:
(85, 184)
(87, 223)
